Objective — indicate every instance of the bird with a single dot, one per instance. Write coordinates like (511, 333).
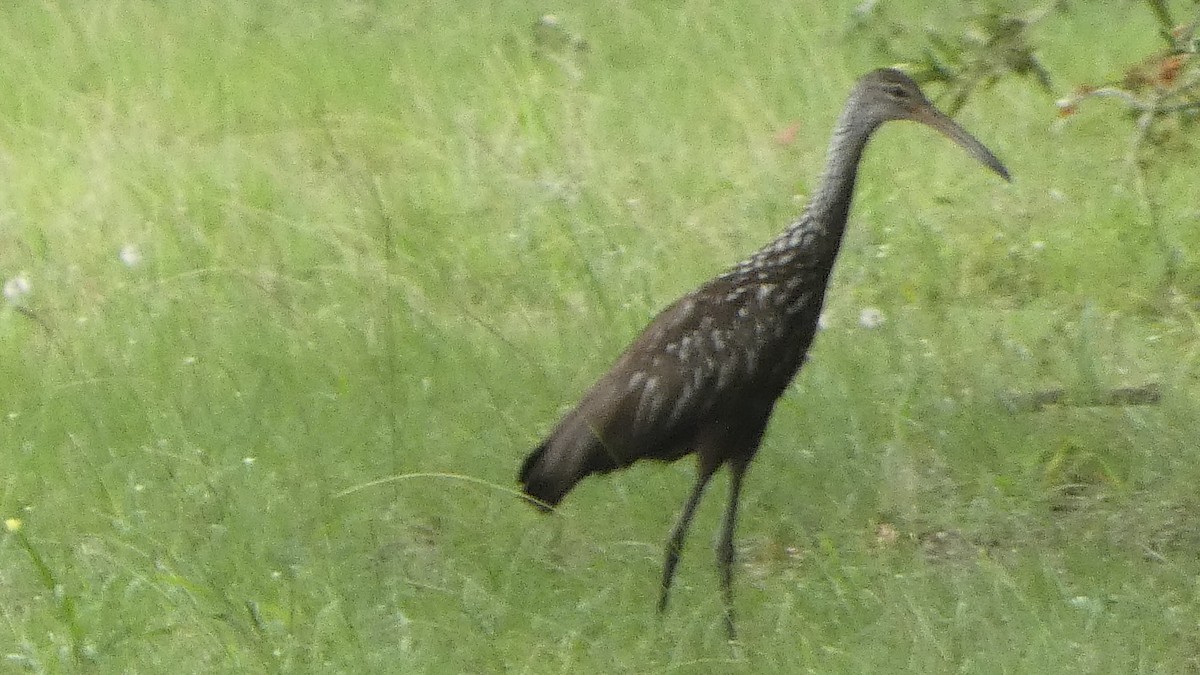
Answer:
(704, 375)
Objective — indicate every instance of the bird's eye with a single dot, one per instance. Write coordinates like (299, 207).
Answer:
(896, 91)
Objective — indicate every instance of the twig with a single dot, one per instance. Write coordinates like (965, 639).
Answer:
(1134, 102)
(1024, 402)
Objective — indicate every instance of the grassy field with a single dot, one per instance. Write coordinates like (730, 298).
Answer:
(293, 291)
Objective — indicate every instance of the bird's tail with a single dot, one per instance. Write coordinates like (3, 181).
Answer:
(565, 458)
(542, 490)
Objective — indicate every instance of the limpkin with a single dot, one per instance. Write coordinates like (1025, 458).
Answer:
(704, 376)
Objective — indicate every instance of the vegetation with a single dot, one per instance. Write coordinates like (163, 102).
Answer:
(291, 290)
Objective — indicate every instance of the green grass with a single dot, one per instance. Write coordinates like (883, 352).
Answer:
(382, 248)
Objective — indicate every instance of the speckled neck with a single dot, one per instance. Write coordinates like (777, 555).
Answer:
(812, 240)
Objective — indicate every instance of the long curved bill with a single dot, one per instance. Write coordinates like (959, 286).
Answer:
(935, 118)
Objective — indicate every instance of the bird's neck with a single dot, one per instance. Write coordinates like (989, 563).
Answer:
(830, 204)
(811, 242)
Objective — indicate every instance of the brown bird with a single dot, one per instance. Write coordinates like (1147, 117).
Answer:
(704, 376)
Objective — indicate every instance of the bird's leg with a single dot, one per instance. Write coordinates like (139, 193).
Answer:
(675, 542)
(725, 552)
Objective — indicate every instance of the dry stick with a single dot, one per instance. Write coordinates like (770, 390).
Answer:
(1023, 402)
(1138, 105)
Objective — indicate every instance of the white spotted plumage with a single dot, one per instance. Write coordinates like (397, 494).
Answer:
(705, 374)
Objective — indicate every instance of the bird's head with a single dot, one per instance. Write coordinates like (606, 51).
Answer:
(888, 94)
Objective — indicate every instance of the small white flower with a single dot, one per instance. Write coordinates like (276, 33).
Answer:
(1038, 245)
(249, 461)
(16, 287)
(130, 255)
(870, 317)
(1081, 601)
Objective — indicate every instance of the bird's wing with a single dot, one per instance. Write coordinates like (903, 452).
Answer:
(693, 356)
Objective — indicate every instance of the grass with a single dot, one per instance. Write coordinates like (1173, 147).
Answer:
(381, 248)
